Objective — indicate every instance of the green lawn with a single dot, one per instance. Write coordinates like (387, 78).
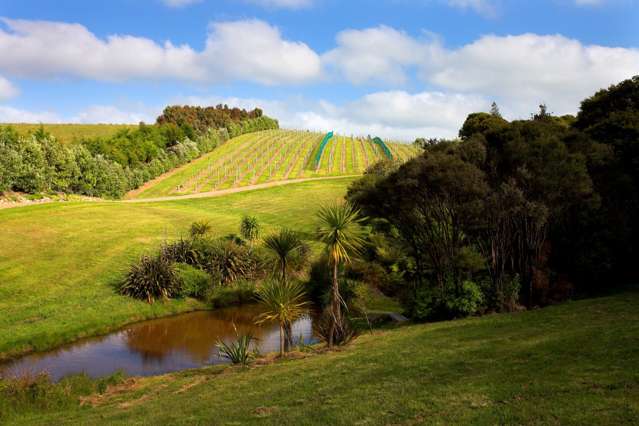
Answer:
(58, 262)
(570, 364)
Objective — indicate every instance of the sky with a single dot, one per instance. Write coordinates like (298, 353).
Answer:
(399, 69)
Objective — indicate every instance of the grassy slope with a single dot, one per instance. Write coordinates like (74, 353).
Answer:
(250, 155)
(569, 364)
(69, 132)
(58, 261)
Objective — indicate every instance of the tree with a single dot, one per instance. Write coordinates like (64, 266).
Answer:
(342, 234)
(284, 302)
(494, 110)
(250, 228)
(289, 250)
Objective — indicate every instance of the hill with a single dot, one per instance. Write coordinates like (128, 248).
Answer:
(59, 261)
(67, 133)
(273, 155)
(569, 364)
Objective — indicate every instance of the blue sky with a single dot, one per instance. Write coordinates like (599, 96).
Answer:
(397, 68)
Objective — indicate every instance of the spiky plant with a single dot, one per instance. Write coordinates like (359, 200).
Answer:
(341, 232)
(284, 302)
(199, 229)
(239, 351)
(250, 228)
(151, 278)
(289, 250)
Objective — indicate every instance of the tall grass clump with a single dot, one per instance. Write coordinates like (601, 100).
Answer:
(152, 278)
(239, 351)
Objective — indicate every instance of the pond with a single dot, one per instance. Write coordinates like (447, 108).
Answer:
(157, 346)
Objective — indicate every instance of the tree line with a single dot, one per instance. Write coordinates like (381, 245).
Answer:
(511, 214)
(111, 166)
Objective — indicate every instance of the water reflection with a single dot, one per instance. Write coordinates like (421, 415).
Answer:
(157, 346)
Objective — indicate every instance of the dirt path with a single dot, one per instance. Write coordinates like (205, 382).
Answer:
(233, 190)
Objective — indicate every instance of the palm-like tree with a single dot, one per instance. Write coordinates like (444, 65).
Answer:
(284, 302)
(289, 250)
(250, 228)
(342, 234)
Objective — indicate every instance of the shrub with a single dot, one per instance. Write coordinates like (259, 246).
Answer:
(467, 302)
(239, 351)
(229, 261)
(194, 282)
(151, 278)
(199, 229)
(181, 251)
(344, 332)
(237, 294)
(250, 228)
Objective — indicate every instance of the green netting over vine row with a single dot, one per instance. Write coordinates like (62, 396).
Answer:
(325, 141)
(381, 143)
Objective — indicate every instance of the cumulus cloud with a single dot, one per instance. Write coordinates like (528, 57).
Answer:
(520, 71)
(109, 114)
(15, 115)
(254, 50)
(396, 115)
(7, 90)
(378, 54)
(240, 50)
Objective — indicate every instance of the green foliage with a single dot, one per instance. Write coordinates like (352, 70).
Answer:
(194, 282)
(239, 293)
(289, 251)
(250, 228)
(151, 278)
(200, 229)
(467, 302)
(227, 261)
(239, 351)
(339, 335)
(340, 231)
(284, 302)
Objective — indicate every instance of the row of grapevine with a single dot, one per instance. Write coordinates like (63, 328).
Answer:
(274, 155)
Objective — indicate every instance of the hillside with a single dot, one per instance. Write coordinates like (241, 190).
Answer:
(58, 262)
(571, 364)
(273, 155)
(67, 133)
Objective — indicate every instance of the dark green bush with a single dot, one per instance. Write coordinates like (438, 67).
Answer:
(151, 278)
(236, 294)
(194, 282)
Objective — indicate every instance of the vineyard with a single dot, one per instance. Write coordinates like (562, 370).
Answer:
(276, 155)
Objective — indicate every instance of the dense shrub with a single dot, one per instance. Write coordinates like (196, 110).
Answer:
(194, 282)
(152, 278)
(236, 294)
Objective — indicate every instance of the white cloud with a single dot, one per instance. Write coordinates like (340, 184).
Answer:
(379, 54)
(109, 114)
(15, 115)
(588, 2)
(519, 71)
(241, 50)
(7, 90)
(283, 4)
(180, 3)
(254, 50)
(394, 114)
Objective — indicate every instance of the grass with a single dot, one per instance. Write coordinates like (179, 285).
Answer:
(268, 156)
(68, 133)
(59, 261)
(571, 364)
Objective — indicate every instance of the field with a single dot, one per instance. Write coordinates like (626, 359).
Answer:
(68, 133)
(269, 156)
(58, 262)
(571, 364)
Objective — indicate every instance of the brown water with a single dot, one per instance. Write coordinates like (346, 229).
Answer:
(157, 346)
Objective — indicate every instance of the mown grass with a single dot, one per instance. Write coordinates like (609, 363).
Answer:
(573, 364)
(67, 133)
(59, 262)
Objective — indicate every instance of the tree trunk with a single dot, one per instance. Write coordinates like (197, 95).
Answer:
(281, 339)
(335, 308)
